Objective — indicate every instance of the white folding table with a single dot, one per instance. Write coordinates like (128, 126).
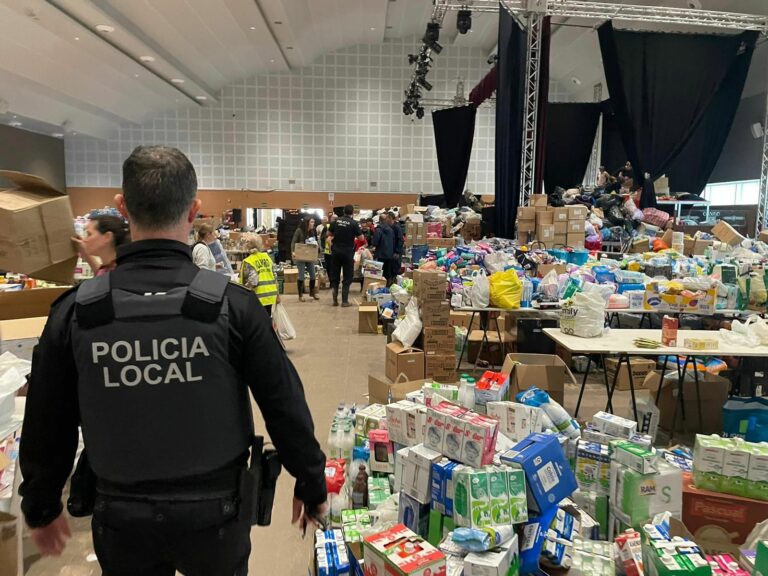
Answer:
(620, 343)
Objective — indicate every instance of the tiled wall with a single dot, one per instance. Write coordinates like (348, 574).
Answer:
(336, 125)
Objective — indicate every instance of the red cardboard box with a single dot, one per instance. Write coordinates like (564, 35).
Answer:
(720, 523)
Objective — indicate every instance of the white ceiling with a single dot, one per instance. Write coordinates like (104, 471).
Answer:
(57, 70)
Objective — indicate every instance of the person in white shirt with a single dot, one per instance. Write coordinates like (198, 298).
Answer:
(201, 254)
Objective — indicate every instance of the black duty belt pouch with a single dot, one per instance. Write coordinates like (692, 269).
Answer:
(257, 484)
(82, 489)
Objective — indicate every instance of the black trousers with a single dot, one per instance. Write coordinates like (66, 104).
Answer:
(342, 263)
(137, 537)
(328, 261)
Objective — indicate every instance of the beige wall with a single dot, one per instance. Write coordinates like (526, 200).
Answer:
(215, 202)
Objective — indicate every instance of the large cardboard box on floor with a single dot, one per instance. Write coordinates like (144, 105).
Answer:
(640, 369)
(546, 371)
(36, 229)
(290, 278)
(714, 393)
(381, 388)
(28, 303)
(401, 360)
(720, 523)
(368, 319)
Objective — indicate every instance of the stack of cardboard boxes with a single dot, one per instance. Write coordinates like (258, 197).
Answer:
(439, 335)
(551, 226)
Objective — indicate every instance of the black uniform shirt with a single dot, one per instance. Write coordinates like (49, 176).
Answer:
(344, 231)
(50, 433)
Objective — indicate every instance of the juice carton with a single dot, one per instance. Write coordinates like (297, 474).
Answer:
(708, 461)
(634, 456)
(471, 502)
(593, 467)
(757, 476)
(498, 488)
(736, 468)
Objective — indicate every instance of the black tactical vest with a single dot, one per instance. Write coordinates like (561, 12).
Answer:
(158, 397)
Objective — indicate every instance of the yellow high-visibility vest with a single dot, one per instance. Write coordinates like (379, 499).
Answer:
(266, 291)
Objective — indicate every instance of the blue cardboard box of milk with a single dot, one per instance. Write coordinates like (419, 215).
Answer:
(548, 476)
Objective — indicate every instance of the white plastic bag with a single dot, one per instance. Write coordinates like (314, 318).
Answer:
(481, 291)
(283, 324)
(495, 262)
(583, 315)
(743, 333)
(759, 328)
(409, 328)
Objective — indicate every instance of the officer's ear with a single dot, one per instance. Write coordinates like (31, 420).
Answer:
(120, 205)
(194, 209)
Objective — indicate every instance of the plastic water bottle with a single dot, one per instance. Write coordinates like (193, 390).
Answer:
(525, 301)
(467, 394)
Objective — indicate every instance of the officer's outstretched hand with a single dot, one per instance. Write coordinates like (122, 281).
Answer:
(314, 518)
(52, 539)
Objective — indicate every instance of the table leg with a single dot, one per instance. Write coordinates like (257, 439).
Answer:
(631, 386)
(678, 402)
(661, 382)
(613, 386)
(583, 385)
(466, 340)
(502, 345)
(484, 316)
(605, 381)
(698, 393)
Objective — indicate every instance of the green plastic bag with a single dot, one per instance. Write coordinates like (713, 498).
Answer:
(506, 289)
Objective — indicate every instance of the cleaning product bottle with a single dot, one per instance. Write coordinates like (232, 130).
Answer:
(467, 394)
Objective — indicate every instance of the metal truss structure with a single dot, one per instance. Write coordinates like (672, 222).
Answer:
(531, 12)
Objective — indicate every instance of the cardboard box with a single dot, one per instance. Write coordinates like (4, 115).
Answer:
(290, 279)
(401, 360)
(381, 388)
(526, 213)
(439, 340)
(524, 226)
(436, 313)
(559, 240)
(368, 319)
(471, 230)
(575, 227)
(545, 217)
(658, 301)
(548, 476)
(727, 233)
(369, 281)
(544, 269)
(560, 215)
(36, 229)
(700, 246)
(640, 369)
(305, 252)
(440, 367)
(720, 523)
(714, 393)
(578, 212)
(545, 233)
(546, 371)
(492, 351)
(436, 243)
(460, 319)
(575, 240)
(415, 233)
(442, 485)
(763, 237)
(538, 200)
(28, 303)
(400, 552)
(561, 227)
(640, 246)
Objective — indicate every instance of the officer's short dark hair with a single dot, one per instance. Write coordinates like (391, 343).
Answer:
(159, 185)
(349, 210)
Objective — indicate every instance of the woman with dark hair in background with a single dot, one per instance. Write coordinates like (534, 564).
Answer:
(103, 235)
(305, 234)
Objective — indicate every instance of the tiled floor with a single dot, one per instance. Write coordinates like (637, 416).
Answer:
(334, 362)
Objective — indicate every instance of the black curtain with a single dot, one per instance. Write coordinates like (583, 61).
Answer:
(691, 170)
(509, 121)
(454, 132)
(661, 86)
(571, 130)
(612, 153)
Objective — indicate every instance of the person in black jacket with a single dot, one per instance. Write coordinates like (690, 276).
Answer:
(383, 243)
(156, 368)
(343, 232)
(399, 246)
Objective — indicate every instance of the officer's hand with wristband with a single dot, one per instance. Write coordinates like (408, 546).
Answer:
(52, 539)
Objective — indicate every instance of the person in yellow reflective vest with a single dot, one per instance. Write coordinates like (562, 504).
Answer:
(257, 273)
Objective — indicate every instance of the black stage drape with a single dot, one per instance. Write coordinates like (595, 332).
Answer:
(612, 153)
(509, 121)
(454, 132)
(661, 86)
(691, 170)
(571, 130)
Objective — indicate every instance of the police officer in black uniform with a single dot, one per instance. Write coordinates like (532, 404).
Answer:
(343, 232)
(154, 360)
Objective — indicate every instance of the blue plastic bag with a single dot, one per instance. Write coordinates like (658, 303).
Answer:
(746, 418)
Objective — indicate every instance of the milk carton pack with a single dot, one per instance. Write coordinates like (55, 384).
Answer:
(438, 418)
(634, 456)
(472, 499)
(614, 425)
(500, 561)
(517, 495)
(497, 486)
(593, 467)
(442, 480)
(479, 440)
(368, 418)
(398, 552)
(641, 496)
(453, 441)
(402, 422)
(757, 476)
(417, 474)
(708, 461)
(516, 421)
(736, 467)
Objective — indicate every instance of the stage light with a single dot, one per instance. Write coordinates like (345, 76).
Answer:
(419, 112)
(423, 82)
(412, 58)
(464, 21)
(433, 33)
(436, 48)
